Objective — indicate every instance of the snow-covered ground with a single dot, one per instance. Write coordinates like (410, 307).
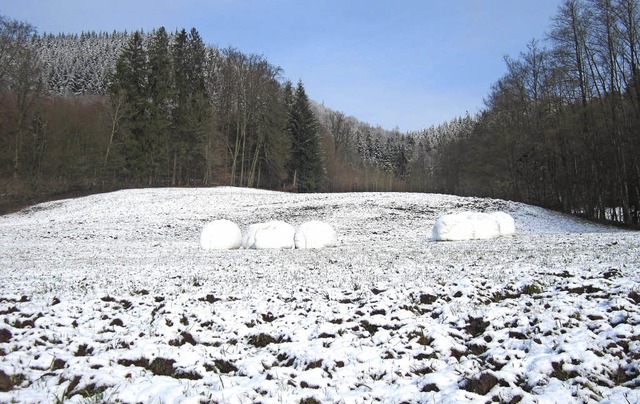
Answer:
(111, 298)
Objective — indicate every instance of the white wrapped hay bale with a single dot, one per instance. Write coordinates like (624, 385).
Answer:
(249, 238)
(315, 234)
(505, 222)
(472, 226)
(275, 234)
(485, 226)
(221, 235)
(453, 227)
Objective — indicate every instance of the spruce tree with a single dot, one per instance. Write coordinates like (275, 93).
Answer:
(191, 117)
(131, 82)
(160, 96)
(305, 166)
(179, 131)
(199, 111)
(288, 95)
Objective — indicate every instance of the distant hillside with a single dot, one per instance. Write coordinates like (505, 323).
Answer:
(79, 64)
(94, 112)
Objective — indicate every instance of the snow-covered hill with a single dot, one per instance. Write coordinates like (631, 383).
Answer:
(110, 298)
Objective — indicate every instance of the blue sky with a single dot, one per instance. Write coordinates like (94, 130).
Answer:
(405, 63)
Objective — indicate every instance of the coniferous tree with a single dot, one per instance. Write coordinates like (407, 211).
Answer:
(200, 122)
(288, 95)
(160, 96)
(305, 165)
(131, 81)
(191, 117)
(179, 131)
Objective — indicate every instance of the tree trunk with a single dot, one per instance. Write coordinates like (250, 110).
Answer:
(175, 168)
(114, 112)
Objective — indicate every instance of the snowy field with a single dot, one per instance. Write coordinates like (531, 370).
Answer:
(110, 298)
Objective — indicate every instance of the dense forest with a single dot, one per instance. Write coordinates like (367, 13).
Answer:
(100, 111)
(561, 128)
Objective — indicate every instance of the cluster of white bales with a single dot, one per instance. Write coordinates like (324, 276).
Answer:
(226, 235)
(473, 226)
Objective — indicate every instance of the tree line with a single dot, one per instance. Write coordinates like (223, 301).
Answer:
(173, 112)
(96, 111)
(187, 114)
(561, 129)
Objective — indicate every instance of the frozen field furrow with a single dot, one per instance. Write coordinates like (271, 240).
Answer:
(110, 297)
